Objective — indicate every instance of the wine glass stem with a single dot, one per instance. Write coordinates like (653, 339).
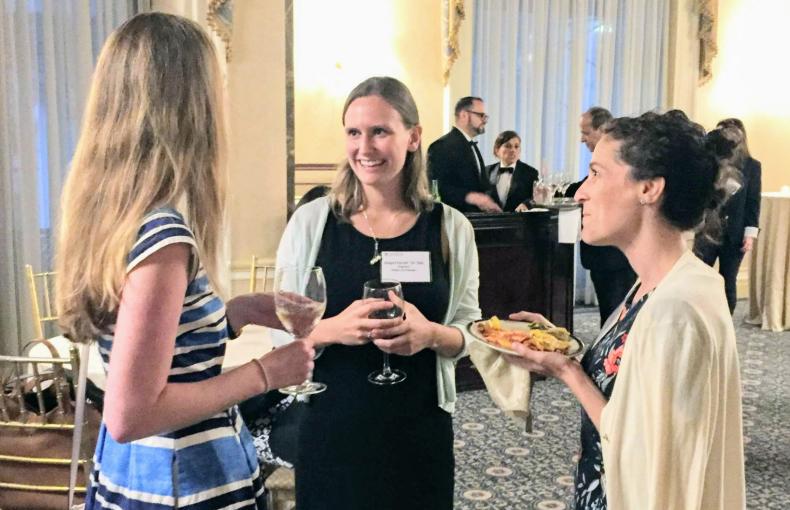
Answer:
(306, 383)
(387, 370)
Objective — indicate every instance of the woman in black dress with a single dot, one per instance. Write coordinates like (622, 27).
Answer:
(364, 446)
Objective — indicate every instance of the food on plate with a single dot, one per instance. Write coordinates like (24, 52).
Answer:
(538, 337)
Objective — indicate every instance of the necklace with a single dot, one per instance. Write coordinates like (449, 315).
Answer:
(376, 254)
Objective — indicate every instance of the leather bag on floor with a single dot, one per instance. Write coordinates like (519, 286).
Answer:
(37, 425)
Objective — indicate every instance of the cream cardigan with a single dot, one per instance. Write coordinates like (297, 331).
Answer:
(302, 239)
(671, 432)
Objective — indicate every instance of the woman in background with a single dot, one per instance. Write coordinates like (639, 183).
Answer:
(740, 215)
(660, 387)
(364, 446)
(511, 178)
(137, 266)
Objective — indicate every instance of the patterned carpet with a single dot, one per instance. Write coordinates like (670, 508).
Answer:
(499, 466)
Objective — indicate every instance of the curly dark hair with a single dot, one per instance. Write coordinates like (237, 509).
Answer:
(656, 145)
(681, 115)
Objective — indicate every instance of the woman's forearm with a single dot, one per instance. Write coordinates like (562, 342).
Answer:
(585, 390)
(447, 341)
(180, 404)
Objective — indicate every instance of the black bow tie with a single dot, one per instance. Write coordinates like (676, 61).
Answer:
(472, 142)
(505, 170)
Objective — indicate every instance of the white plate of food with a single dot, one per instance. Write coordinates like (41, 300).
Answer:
(499, 334)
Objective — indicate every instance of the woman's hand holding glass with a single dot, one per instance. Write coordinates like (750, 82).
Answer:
(300, 301)
(411, 336)
(353, 326)
(288, 365)
(389, 291)
(255, 308)
(552, 364)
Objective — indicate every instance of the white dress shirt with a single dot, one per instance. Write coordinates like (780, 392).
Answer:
(502, 181)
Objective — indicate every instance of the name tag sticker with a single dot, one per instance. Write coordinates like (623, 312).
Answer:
(406, 266)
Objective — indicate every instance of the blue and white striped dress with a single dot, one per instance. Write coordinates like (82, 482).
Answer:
(208, 465)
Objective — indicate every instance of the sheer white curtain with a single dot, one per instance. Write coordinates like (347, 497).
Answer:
(47, 51)
(539, 64)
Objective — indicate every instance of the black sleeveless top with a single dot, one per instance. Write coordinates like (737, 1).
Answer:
(365, 446)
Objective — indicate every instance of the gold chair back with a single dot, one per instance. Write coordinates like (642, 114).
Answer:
(36, 430)
(42, 301)
(263, 273)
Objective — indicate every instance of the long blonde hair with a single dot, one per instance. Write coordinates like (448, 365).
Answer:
(346, 195)
(152, 135)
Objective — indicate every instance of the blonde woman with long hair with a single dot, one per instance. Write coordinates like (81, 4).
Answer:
(137, 263)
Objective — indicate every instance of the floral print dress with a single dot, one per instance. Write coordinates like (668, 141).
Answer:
(601, 363)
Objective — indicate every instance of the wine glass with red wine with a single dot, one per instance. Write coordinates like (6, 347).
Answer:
(388, 290)
(300, 301)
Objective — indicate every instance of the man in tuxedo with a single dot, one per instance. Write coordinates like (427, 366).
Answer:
(455, 161)
(610, 271)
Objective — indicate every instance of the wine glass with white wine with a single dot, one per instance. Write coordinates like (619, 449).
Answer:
(388, 291)
(300, 301)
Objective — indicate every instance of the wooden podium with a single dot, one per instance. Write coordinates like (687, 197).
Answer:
(522, 267)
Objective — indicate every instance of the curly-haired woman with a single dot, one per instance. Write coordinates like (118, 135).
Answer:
(660, 387)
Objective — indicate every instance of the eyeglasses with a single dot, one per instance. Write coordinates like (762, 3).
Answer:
(483, 116)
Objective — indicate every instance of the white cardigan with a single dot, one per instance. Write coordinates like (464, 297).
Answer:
(302, 239)
(671, 432)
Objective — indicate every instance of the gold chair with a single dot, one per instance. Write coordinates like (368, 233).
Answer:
(280, 484)
(282, 489)
(36, 428)
(267, 276)
(42, 298)
(41, 304)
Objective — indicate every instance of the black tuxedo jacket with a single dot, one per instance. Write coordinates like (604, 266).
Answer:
(451, 161)
(598, 258)
(743, 208)
(524, 176)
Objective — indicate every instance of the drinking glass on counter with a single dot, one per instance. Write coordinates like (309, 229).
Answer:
(383, 290)
(542, 192)
(300, 301)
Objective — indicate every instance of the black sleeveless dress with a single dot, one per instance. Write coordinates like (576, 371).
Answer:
(363, 446)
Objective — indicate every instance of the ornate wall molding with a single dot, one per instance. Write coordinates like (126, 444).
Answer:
(453, 13)
(219, 17)
(707, 10)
